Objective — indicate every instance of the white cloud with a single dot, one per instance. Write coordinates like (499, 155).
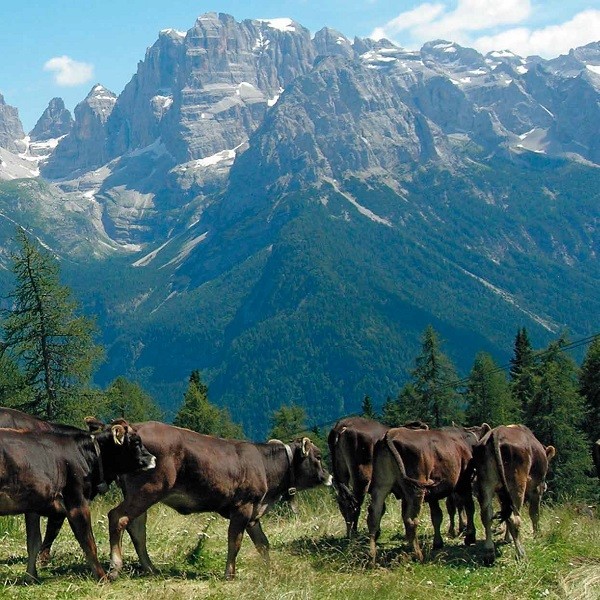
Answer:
(69, 72)
(490, 25)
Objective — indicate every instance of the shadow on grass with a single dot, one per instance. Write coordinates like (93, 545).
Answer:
(329, 553)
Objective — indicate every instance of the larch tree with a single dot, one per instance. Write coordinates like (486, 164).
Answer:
(45, 334)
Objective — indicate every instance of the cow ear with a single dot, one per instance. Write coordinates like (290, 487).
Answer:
(93, 424)
(118, 432)
(305, 443)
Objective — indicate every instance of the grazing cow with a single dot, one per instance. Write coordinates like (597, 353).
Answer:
(351, 442)
(54, 474)
(418, 466)
(512, 463)
(201, 473)
(596, 456)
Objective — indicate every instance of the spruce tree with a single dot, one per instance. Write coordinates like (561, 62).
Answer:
(367, 408)
(589, 387)
(44, 334)
(488, 395)
(522, 372)
(198, 414)
(556, 416)
(435, 383)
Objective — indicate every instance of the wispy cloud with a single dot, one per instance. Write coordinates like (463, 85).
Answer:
(490, 25)
(69, 72)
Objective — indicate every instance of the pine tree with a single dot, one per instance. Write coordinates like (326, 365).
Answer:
(435, 381)
(52, 346)
(589, 387)
(488, 395)
(522, 372)
(367, 408)
(556, 416)
(198, 414)
(127, 399)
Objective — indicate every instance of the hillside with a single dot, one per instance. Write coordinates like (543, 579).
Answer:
(287, 212)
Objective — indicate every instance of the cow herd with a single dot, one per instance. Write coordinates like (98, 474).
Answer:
(55, 471)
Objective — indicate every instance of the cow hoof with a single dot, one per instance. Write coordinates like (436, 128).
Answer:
(469, 539)
(438, 545)
(489, 559)
(44, 557)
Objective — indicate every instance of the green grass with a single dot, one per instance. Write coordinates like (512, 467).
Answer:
(310, 558)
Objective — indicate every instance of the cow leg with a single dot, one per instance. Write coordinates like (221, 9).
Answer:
(436, 520)
(535, 499)
(80, 521)
(374, 514)
(486, 499)
(34, 541)
(235, 533)
(410, 515)
(52, 530)
(469, 509)
(136, 529)
(258, 537)
(451, 509)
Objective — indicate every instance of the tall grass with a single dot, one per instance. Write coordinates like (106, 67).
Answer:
(310, 558)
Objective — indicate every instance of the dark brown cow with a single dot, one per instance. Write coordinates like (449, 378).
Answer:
(201, 473)
(53, 474)
(418, 466)
(351, 442)
(596, 456)
(513, 464)
(15, 419)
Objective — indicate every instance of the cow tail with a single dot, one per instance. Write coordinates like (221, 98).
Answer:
(342, 489)
(507, 507)
(401, 467)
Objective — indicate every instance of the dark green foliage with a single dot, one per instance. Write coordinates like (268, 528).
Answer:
(437, 401)
(488, 395)
(198, 414)
(556, 416)
(367, 408)
(589, 387)
(522, 371)
(51, 344)
(288, 423)
(405, 408)
(128, 400)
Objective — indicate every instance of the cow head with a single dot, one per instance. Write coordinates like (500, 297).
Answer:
(308, 467)
(121, 448)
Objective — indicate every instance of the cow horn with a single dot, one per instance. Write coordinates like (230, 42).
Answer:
(118, 432)
(305, 443)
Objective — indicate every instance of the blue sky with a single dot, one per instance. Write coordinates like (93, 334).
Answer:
(63, 47)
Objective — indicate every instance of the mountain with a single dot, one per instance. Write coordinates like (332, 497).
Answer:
(288, 213)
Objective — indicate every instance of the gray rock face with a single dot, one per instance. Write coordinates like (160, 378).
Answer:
(11, 129)
(85, 148)
(55, 122)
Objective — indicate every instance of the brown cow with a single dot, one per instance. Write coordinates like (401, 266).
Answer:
(420, 466)
(53, 474)
(512, 463)
(351, 442)
(201, 473)
(596, 456)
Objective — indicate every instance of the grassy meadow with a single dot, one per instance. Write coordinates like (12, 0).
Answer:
(310, 558)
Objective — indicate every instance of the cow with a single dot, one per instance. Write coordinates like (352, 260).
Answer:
(596, 456)
(351, 442)
(16, 419)
(195, 473)
(53, 473)
(512, 463)
(418, 466)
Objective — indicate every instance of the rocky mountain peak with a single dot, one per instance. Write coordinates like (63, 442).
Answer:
(55, 122)
(11, 129)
